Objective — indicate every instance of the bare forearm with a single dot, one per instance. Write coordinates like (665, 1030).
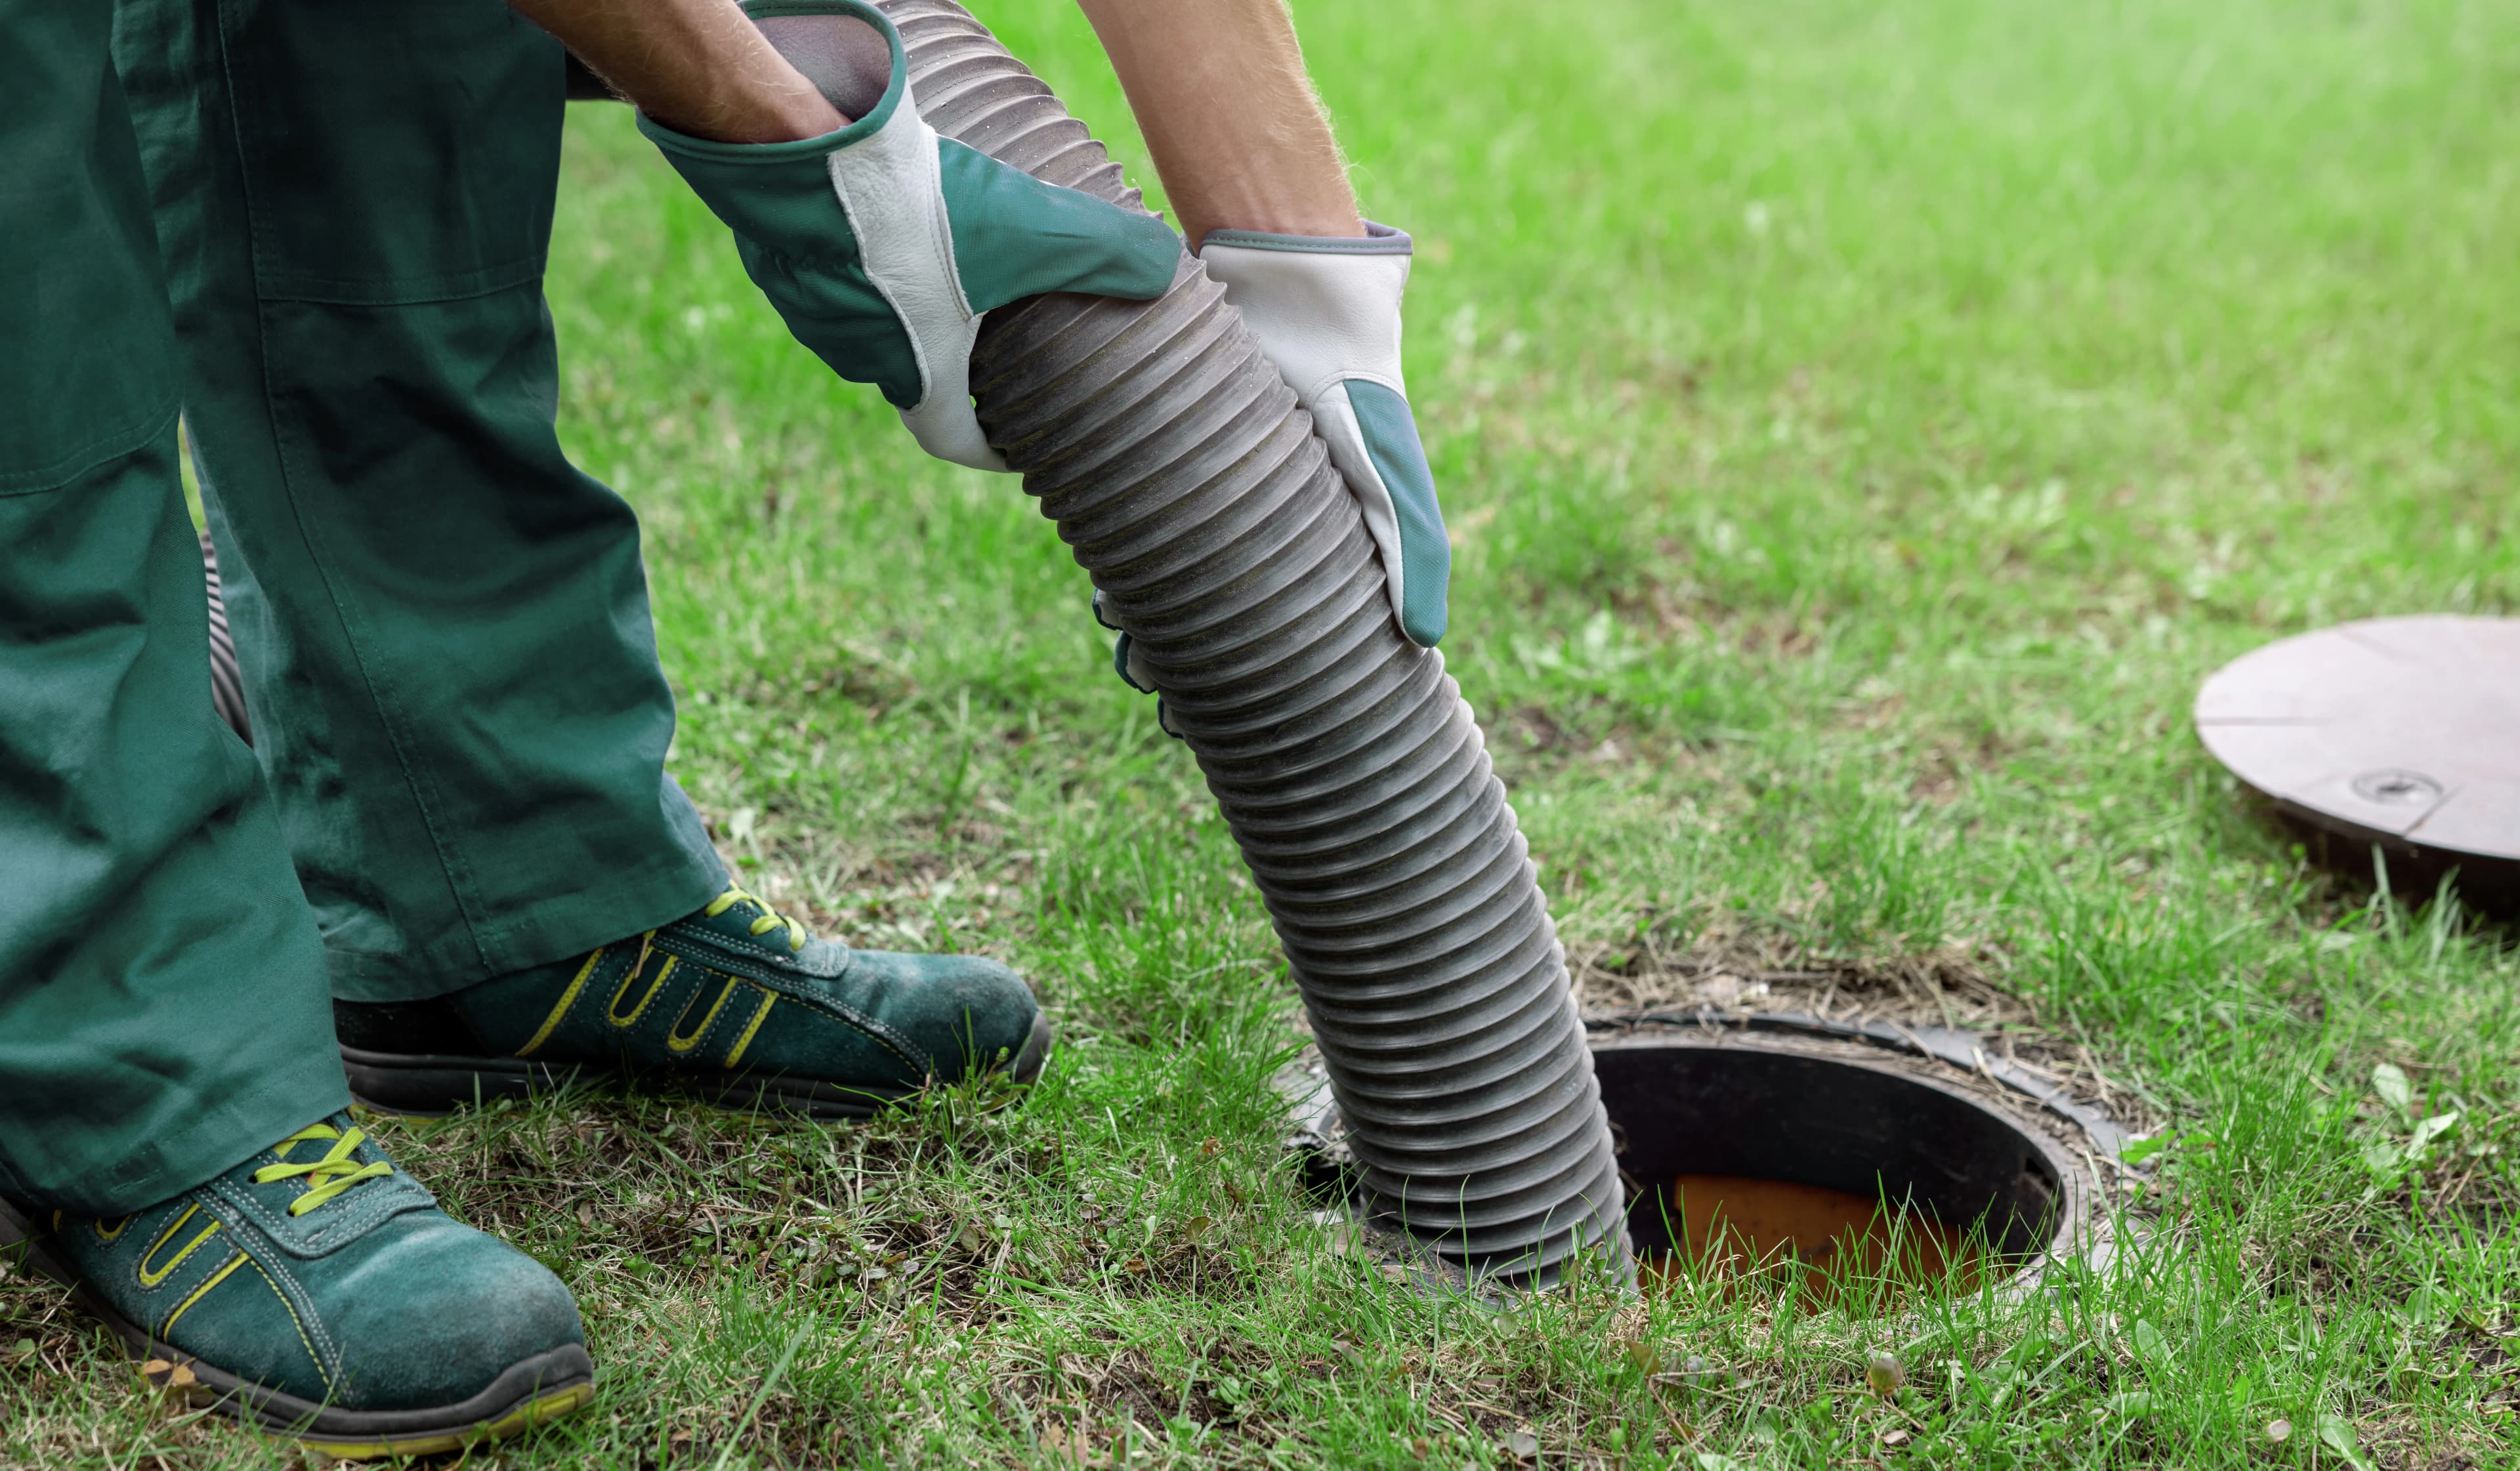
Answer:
(699, 66)
(1220, 91)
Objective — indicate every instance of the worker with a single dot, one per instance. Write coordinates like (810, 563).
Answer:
(453, 861)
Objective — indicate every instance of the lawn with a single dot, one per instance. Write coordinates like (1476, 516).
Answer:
(1860, 430)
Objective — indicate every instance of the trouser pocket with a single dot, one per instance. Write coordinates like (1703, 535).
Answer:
(87, 357)
(393, 151)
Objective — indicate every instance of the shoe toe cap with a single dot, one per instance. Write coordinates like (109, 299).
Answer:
(965, 1011)
(439, 1312)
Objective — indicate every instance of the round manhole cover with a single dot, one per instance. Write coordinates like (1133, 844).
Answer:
(2402, 730)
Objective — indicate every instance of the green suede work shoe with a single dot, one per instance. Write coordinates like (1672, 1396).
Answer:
(734, 1003)
(317, 1292)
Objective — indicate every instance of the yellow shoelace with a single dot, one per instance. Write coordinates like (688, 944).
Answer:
(768, 921)
(334, 1173)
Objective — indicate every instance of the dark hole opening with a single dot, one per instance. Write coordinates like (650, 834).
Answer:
(1756, 1156)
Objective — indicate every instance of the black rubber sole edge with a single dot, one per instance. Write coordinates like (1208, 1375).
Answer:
(527, 1392)
(427, 1086)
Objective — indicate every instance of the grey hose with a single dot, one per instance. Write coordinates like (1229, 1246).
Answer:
(1173, 460)
(227, 685)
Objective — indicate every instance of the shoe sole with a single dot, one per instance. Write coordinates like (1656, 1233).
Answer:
(428, 1086)
(526, 1394)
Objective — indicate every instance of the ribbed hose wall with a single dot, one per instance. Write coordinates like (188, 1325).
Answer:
(1173, 460)
(227, 685)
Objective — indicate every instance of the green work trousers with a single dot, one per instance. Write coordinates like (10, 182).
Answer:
(443, 625)
(162, 1010)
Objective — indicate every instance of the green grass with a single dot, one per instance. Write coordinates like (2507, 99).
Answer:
(1862, 428)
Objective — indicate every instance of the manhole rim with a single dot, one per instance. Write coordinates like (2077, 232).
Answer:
(2079, 1234)
(1955, 1048)
(2075, 1138)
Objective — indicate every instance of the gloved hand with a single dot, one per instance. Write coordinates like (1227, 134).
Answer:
(1132, 667)
(881, 245)
(1326, 311)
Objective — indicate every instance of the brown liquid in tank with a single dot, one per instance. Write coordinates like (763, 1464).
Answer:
(1735, 1225)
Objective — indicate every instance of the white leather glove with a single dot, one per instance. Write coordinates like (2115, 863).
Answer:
(1326, 311)
(882, 245)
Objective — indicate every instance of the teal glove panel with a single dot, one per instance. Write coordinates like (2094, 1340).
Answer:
(817, 283)
(1016, 237)
(1390, 434)
(881, 245)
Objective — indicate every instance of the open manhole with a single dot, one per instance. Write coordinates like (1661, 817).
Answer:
(1781, 1148)
(1776, 1162)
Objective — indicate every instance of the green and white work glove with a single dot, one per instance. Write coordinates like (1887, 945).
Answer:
(881, 245)
(1326, 311)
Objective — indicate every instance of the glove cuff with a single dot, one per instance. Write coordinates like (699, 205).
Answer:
(1378, 239)
(868, 123)
(792, 228)
(1325, 308)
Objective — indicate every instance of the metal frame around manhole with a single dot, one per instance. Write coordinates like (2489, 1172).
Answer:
(2077, 1143)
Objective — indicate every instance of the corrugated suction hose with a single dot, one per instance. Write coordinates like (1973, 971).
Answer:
(227, 685)
(1173, 459)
